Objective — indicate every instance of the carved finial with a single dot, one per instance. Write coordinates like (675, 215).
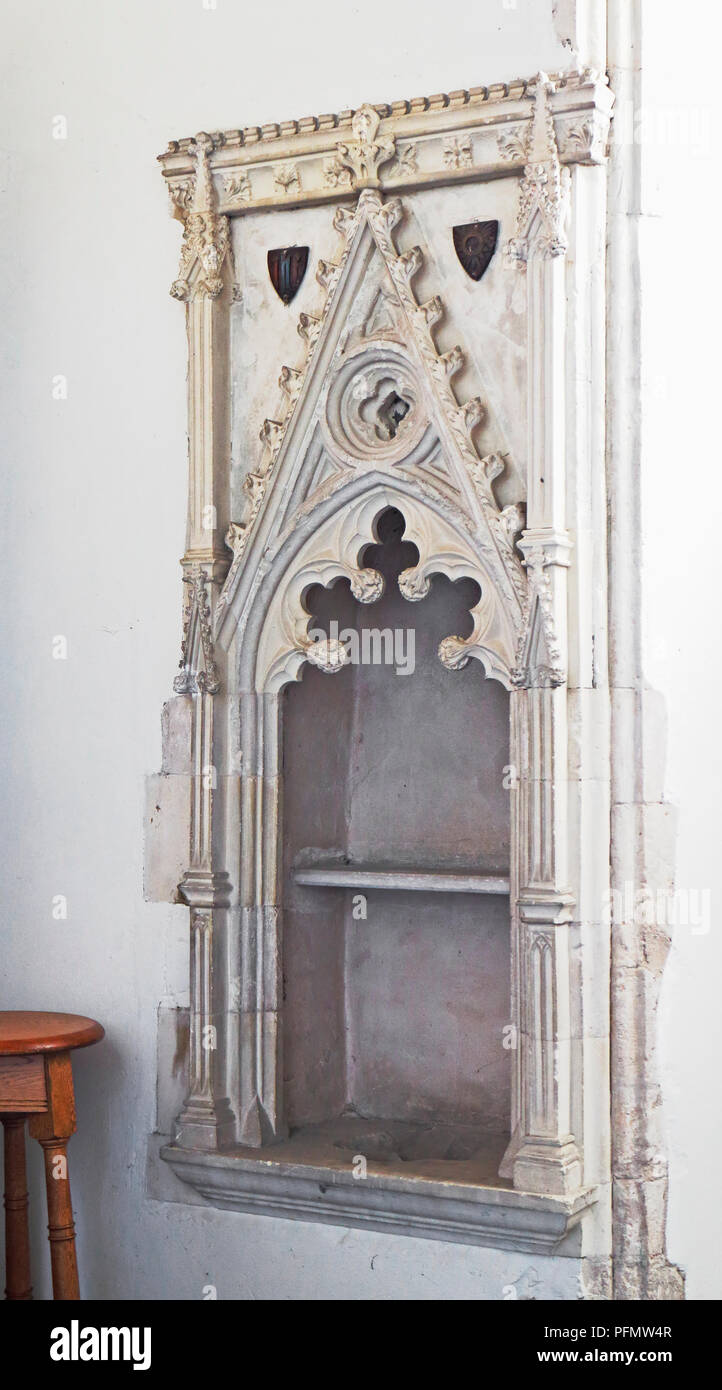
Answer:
(365, 155)
(203, 192)
(389, 212)
(541, 145)
(206, 240)
(544, 189)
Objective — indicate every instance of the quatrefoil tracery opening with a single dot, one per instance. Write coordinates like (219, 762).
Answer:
(384, 410)
(373, 409)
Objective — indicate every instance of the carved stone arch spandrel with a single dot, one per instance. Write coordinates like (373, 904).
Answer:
(326, 390)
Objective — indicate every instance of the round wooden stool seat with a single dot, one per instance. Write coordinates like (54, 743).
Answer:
(22, 1032)
(36, 1085)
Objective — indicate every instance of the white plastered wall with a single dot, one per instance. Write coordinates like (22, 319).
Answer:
(681, 498)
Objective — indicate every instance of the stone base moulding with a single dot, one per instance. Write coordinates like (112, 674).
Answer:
(458, 1212)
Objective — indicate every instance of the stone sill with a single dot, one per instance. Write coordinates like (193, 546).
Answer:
(451, 1210)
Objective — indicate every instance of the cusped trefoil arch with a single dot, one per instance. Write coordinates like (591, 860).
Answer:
(334, 549)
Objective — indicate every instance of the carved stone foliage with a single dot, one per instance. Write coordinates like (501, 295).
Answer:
(181, 195)
(206, 242)
(539, 658)
(512, 145)
(458, 152)
(336, 174)
(199, 672)
(405, 161)
(237, 188)
(582, 138)
(287, 178)
(365, 154)
(425, 140)
(544, 191)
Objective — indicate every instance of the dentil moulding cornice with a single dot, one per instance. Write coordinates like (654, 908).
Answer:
(450, 138)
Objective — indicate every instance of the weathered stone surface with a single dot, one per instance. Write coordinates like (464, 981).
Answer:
(167, 830)
(172, 1086)
(643, 825)
(176, 723)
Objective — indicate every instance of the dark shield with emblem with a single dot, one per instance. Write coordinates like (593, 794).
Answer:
(475, 244)
(287, 267)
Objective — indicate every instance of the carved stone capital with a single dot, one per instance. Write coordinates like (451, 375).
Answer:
(543, 546)
(544, 908)
(205, 889)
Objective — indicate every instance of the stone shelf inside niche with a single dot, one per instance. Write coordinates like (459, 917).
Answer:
(334, 873)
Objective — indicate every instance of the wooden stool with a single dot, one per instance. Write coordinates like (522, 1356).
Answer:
(36, 1083)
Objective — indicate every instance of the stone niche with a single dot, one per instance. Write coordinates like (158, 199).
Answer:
(396, 996)
(386, 729)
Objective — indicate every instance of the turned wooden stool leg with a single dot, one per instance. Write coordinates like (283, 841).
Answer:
(61, 1228)
(17, 1241)
(52, 1130)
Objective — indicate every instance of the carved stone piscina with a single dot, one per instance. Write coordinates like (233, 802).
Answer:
(381, 407)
